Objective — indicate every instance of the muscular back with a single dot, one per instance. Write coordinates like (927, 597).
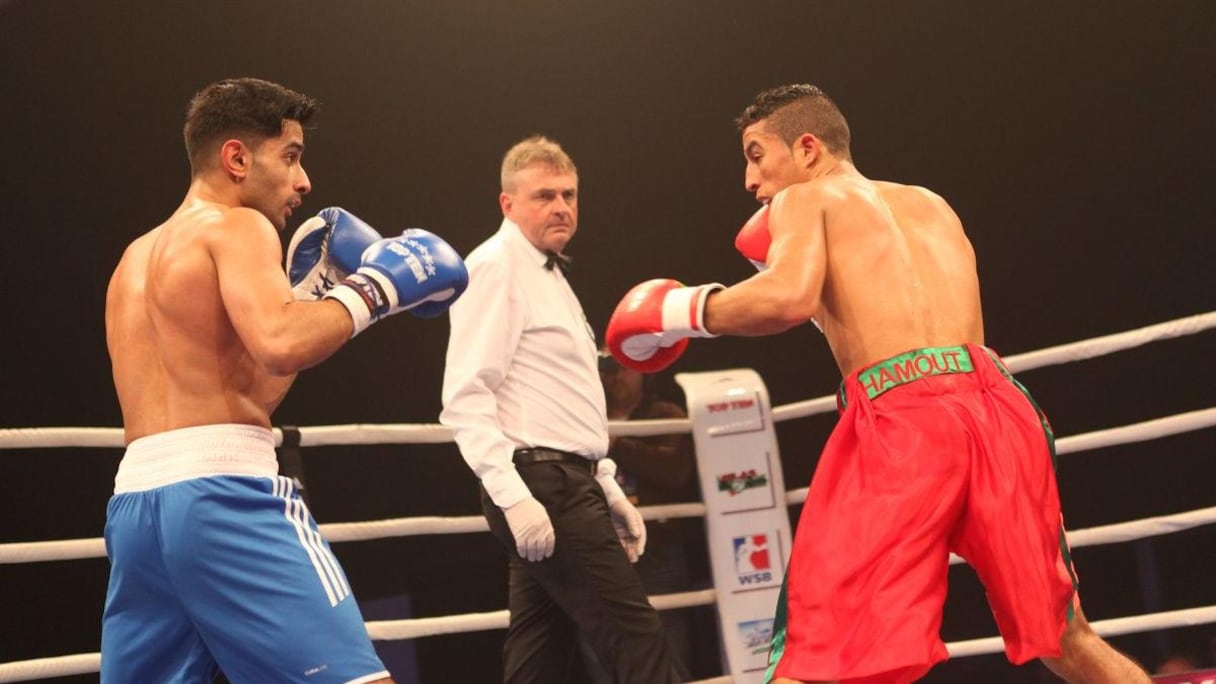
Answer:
(900, 273)
(176, 358)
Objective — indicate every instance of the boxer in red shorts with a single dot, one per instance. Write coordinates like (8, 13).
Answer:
(937, 449)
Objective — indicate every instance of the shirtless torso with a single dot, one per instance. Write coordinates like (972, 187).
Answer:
(900, 273)
(205, 338)
(882, 267)
(201, 324)
(177, 358)
(885, 269)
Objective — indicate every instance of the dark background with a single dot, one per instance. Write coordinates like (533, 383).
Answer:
(1074, 140)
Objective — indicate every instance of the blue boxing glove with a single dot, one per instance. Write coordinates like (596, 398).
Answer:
(415, 270)
(324, 250)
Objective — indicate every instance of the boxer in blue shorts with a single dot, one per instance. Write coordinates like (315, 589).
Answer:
(211, 566)
(216, 564)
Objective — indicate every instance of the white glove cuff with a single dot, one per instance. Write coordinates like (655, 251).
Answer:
(684, 310)
(612, 489)
(356, 303)
(368, 295)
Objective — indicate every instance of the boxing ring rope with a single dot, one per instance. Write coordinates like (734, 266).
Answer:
(27, 552)
(74, 549)
(330, 435)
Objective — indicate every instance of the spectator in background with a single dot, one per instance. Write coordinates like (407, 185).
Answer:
(1177, 663)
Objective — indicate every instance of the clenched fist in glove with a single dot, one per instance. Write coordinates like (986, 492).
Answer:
(754, 239)
(324, 250)
(532, 529)
(414, 269)
(650, 328)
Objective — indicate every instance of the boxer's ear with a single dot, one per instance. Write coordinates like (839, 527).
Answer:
(807, 149)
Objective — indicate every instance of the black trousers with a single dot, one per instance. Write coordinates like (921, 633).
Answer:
(587, 586)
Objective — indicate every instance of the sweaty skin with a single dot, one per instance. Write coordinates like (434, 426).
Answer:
(884, 267)
(200, 321)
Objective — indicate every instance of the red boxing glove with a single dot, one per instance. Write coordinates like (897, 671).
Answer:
(650, 328)
(754, 239)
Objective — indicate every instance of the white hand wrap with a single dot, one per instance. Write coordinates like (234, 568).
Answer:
(684, 312)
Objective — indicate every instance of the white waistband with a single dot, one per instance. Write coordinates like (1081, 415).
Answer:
(183, 454)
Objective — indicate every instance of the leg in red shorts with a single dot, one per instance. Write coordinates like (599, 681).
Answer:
(1013, 532)
(904, 479)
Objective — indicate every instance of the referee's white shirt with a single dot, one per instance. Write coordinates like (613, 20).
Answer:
(522, 368)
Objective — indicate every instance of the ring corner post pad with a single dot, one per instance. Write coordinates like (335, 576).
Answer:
(746, 520)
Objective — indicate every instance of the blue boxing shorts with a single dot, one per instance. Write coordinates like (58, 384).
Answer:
(217, 565)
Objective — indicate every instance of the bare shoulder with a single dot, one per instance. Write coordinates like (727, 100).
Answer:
(141, 244)
(238, 227)
(811, 201)
(836, 193)
(911, 195)
(238, 219)
(129, 273)
(819, 192)
(136, 253)
(905, 188)
(918, 206)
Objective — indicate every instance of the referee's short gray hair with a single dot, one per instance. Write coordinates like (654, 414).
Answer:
(534, 150)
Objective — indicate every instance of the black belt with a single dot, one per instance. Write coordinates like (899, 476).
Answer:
(547, 455)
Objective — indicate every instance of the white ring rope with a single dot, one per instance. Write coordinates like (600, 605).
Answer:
(70, 549)
(391, 630)
(25, 552)
(1112, 627)
(1064, 353)
(1138, 432)
(330, 435)
(77, 549)
(46, 668)
(1127, 434)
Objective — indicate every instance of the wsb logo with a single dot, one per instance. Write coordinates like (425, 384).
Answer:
(752, 564)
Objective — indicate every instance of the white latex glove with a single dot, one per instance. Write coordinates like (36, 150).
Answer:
(630, 528)
(532, 529)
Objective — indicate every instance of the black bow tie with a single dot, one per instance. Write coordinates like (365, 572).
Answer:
(561, 261)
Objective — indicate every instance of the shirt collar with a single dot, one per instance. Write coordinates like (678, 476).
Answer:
(514, 236)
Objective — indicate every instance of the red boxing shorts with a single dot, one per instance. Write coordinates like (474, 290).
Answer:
(937, 450)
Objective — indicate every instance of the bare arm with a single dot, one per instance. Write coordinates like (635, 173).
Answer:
(789, 291)
(283, 335)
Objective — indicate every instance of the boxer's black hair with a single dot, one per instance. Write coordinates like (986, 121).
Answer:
(792, 110)
(249, 109)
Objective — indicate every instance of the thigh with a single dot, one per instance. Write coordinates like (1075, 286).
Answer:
(540, 641)
(870, 556)
(589, 574)
(146, 634)
(590, 577)
(1013, 532)
(262, 584)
